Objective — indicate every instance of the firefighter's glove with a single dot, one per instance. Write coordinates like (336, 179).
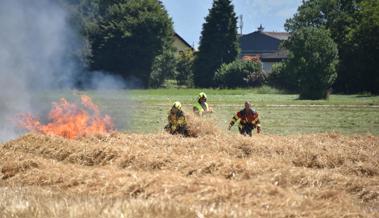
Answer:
(229, 127)
(258, 129)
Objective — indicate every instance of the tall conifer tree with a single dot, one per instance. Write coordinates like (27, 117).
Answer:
(218, 42)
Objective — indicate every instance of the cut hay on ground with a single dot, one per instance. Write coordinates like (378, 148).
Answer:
(213, 175)
(199, 126)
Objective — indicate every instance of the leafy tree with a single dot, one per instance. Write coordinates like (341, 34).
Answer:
(184, 68)
(128, 36)
(312, 59)
(218, 42)
(240, 73)
(164, 67)
(366, 37)
(344, 19)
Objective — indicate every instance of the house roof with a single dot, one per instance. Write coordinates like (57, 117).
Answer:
(262, 42)
(257, 42)
(278, 35)
(184, 41)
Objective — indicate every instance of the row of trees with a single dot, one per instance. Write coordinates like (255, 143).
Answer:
(331, 41)
(134, 39)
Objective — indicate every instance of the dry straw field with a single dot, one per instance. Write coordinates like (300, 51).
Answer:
(216, 174)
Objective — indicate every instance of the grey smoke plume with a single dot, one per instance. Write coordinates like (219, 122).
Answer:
(101, 81)
(36, 49)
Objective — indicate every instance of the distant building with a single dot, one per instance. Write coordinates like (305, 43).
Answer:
(264, 46)
(181, 45)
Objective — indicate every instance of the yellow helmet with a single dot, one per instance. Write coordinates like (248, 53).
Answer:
(177, 105)
(202, 95)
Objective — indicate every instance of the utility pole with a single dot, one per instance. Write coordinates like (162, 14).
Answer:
(241, 23)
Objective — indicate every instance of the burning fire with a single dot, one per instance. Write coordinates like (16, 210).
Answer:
(69, 120)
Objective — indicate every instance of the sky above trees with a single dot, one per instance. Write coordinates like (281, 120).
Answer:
(188, 15)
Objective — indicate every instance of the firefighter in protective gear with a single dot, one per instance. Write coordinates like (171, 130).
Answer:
(249, 120)
(177, 123)
(201, 107)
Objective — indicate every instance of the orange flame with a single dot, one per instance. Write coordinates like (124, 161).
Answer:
(69, 120)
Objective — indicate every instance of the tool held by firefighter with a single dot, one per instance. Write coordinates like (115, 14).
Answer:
(201, 106)
(249, 120)
(177, 123)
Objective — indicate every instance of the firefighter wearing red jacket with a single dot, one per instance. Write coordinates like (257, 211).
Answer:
(249, 120)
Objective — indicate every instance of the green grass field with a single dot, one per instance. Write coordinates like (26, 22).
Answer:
(145, 111)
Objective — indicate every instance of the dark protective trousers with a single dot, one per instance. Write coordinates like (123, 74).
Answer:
(246, 129)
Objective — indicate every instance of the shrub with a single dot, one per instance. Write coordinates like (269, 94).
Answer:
(240, 74)
(282, 77)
